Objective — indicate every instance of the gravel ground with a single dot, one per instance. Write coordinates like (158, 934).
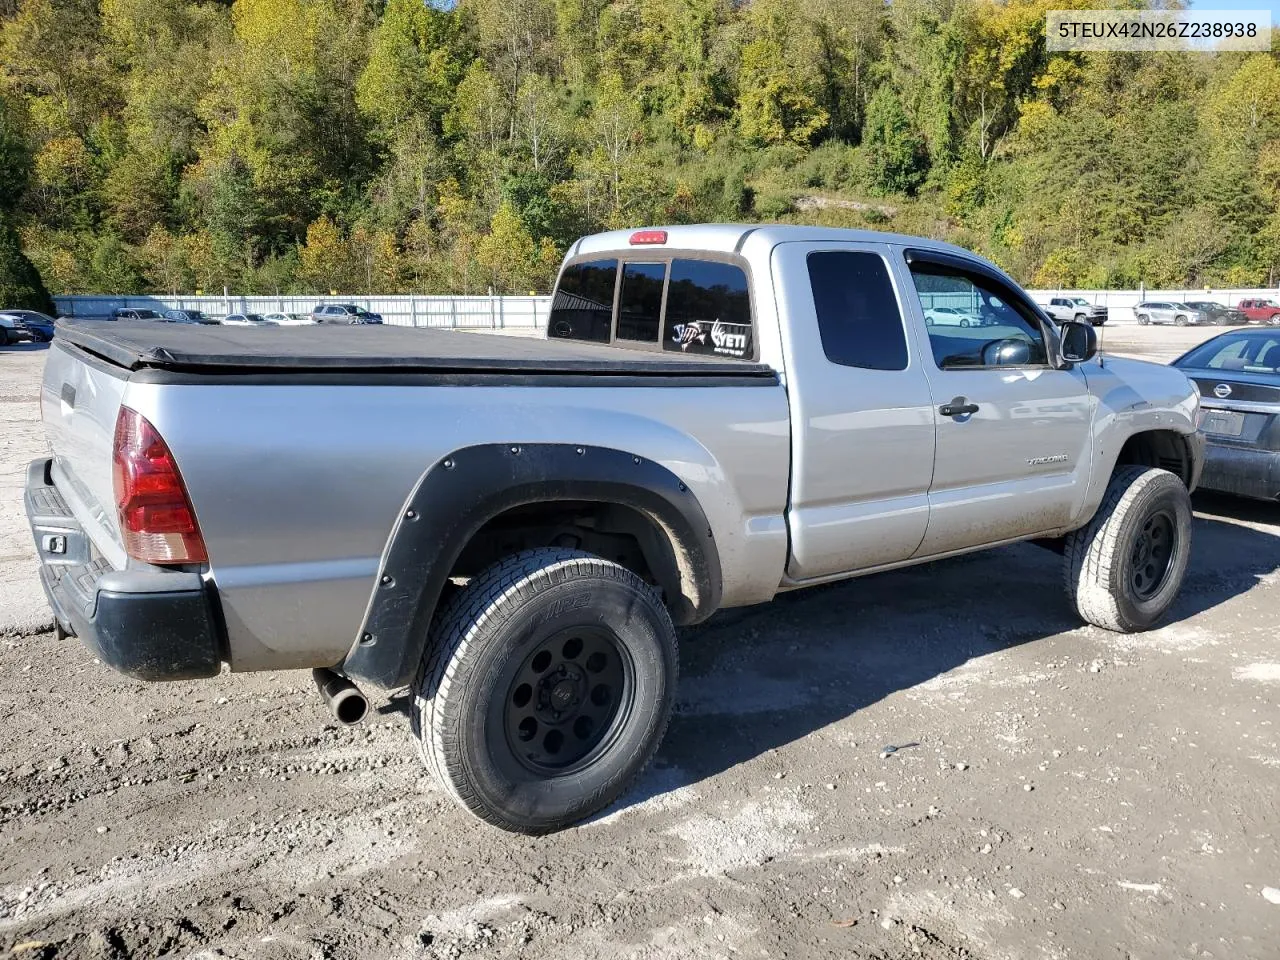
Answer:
(1057, 791)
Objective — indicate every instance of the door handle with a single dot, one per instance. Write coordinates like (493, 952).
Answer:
(958, 407)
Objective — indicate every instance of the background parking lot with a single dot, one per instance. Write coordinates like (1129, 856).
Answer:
(1052, 790)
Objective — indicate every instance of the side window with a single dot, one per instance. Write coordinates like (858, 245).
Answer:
(1000, 331)
(640, 301)
(859, 321)
(708, 309)
(583, 305)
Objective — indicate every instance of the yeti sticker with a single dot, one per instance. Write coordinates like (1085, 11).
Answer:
(725, 339)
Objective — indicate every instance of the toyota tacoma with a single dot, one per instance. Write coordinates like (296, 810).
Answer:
(513, 528)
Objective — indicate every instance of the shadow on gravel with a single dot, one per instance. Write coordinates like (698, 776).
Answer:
(23, 347)
(755, 679)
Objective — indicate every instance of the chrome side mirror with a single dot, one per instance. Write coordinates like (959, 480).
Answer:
(1013, 352)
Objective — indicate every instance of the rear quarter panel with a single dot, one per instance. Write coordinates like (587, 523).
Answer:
(297, 488)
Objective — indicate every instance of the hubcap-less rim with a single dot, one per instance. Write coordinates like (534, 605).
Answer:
(1153, 554)
(567, 699)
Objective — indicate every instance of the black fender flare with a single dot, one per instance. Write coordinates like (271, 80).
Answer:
(465, 489)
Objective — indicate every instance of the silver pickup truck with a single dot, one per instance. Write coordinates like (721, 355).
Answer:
(515, 527)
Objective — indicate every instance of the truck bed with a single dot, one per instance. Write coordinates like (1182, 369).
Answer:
(333, 349)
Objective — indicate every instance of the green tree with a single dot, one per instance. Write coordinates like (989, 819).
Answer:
(896, 154)
(20, 283)
(775, 105)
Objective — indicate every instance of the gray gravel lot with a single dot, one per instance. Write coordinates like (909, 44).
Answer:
(1060, 791)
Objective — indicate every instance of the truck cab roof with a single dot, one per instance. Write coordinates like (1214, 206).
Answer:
(730, 238)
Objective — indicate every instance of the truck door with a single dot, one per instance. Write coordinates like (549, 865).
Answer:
(861, 413)
(1013, 433)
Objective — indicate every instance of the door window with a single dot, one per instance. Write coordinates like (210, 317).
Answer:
(858, 316)
(1002, 331)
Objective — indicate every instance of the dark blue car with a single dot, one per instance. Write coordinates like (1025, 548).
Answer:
(39, 325)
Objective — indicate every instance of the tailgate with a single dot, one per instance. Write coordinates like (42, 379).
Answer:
(79, 400)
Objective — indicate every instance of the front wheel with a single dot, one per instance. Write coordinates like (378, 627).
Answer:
(1124, 568)
(545, 689)
(1179, 321)
(964, 323)
(1143, 319)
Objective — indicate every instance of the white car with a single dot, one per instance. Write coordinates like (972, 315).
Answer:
(289, 319)
(246, 320)
(951, 317)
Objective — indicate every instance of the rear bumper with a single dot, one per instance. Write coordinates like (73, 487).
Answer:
(1244, 471)
(151, 623)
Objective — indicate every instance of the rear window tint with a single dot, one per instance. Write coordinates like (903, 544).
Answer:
(708, 309)
(640, 301)
(583, 305)
(858, 316)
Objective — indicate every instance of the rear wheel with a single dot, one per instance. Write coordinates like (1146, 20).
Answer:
(4, 337)
(1124, 569)
(546, 688)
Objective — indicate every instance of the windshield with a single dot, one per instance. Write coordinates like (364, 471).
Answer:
(1254, 352)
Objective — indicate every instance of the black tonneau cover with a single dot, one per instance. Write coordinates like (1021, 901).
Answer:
(334, 349)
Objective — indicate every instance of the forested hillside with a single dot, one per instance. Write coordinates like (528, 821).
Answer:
(392, 146)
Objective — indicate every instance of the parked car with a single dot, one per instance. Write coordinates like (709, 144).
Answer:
(952, 316)
(1075, 308)
(1169, 311)
(343, 313)
(1238, 375)
(289, 319)
(1219, 313)
(513, 527)
(135, 313)
(13, 329)
(187, 316)
(1260, 311)
(39, 325)
(246, 320)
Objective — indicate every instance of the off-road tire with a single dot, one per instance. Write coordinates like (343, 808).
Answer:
(1098, 560)
(479, 642)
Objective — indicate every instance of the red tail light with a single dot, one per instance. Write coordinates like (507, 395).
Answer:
(642, 237)
(155, 512)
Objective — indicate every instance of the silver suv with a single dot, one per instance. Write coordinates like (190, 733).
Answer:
(343, 313)
(1170, 311)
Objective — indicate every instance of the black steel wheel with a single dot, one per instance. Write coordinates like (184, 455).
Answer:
(1153, 549)
(566, 699)
(546, 687)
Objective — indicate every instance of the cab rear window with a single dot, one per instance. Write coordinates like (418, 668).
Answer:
(708, 309)
(682, 304)
(582, 308)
